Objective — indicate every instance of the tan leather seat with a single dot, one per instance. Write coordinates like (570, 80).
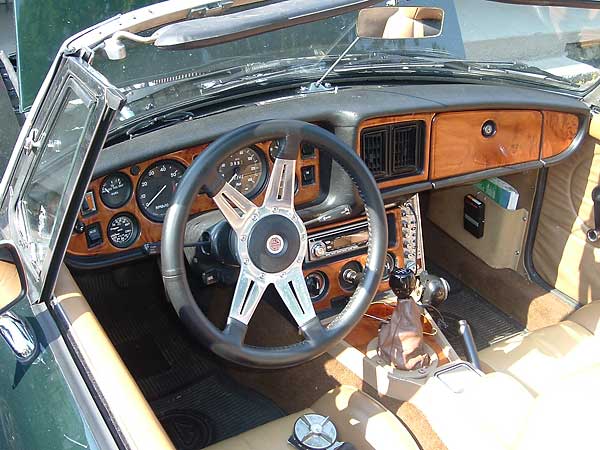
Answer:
(502, 415)
(359, 419)
(540, 358)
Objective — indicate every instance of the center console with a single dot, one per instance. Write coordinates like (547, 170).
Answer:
(333, 266)
(336, 256)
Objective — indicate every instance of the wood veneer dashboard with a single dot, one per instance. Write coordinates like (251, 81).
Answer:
(150, 230)
(455, 143)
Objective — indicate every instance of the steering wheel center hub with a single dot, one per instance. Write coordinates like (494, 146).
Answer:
(274, 243)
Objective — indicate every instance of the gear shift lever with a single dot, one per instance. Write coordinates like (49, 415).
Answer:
(400, 341)
(403, 282)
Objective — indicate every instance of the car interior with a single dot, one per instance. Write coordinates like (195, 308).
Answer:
(414, 263)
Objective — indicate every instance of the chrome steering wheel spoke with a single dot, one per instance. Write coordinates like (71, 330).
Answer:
(294, 293)
(248, 293)
(234, 205)
(280, 190)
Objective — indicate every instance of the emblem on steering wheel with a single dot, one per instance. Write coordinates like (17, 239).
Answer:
(275, 244)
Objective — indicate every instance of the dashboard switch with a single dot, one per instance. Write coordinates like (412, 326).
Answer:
(93, 235)
(308, 150)
(308, 175)
(88, 206)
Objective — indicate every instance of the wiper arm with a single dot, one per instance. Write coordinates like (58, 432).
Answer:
(159, 122)
(511, 67)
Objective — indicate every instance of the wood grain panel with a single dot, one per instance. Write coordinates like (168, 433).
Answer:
(374, 122)
(559, 132)
(151, 231)
(332, 269)
(458, 146)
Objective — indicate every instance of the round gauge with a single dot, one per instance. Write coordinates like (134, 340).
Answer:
(116, 190)
(156, 188)
(245, 170)
(123, 230)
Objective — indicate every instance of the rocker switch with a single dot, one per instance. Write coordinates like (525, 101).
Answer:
(93, 235)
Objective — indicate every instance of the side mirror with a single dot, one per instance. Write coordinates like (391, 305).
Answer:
(13, 284)
(387, 22)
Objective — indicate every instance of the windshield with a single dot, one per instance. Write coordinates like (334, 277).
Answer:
(550, 47)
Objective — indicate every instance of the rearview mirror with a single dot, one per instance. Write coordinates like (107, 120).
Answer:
(12, 277)
(404, 22)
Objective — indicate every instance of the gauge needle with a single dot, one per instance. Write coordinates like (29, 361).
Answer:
(156, 196)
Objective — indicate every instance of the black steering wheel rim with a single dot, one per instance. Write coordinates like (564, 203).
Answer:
(202, 174)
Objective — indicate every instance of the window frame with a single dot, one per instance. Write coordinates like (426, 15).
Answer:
(102, 101)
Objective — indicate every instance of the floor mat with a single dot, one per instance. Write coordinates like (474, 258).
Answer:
(488, 323)
(195, 400)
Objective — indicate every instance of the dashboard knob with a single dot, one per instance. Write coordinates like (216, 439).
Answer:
(403, 282)
(318, 250)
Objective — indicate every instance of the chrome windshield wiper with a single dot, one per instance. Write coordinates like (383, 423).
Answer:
(511, 68)
(396, 63)
(158, 122)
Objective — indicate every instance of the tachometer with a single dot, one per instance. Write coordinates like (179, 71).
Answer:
(116, 190)
(246, 170)
(123, 230)
(156, 188)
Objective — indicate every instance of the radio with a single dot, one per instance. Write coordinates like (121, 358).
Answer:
(337, 242)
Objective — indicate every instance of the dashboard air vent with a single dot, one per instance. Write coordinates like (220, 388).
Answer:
(374, 142)
(395, 150)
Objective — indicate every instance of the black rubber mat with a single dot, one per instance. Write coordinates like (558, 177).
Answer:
(195, 400)
(488, 323)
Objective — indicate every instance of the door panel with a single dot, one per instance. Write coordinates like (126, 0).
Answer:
(562, 255)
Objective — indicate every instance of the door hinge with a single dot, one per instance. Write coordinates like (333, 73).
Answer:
(33, 141)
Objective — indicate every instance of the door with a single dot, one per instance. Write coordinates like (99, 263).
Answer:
(563, 255)
(44, 401)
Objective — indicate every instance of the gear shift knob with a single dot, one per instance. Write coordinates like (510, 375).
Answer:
(403, 282)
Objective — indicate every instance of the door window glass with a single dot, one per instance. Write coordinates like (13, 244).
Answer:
(44, 196)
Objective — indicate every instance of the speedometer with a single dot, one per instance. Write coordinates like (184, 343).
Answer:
(245, 170)
(156, 188)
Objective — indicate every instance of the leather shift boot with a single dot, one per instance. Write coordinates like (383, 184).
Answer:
(401, 340)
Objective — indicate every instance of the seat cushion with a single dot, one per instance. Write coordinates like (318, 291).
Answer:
(358, 418)
(538, 359)
(588, 317)
(565, 416)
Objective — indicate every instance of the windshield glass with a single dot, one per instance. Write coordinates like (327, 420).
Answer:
(550, 47)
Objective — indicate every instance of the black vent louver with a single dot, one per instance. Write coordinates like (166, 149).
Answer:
(374, 142)
(394, 151)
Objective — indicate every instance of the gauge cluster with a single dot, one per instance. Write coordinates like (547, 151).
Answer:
(124, 210)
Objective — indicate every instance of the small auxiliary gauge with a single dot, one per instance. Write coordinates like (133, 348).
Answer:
(116, 190)
(123, 230)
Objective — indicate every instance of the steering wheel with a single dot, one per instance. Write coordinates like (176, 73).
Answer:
(271, 245)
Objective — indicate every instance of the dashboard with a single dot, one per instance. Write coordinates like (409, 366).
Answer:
(124, 210)
(445, 136)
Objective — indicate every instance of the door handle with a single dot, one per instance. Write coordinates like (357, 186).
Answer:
(593, 234)
(18, 335)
